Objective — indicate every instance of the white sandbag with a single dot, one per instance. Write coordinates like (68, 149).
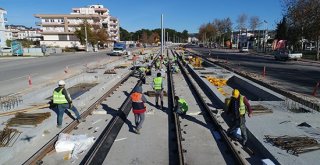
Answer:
(64, 143)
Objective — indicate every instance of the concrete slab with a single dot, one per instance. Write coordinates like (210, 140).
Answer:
(200, 149)
(34, 138)
(151, 146)
(281, 122)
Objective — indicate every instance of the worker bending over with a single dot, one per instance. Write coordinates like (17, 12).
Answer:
(181, 106)
(238, 107)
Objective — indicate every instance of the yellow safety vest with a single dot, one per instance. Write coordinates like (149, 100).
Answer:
(142, 69)
(242, 107)
(59, 98)
(157, 82)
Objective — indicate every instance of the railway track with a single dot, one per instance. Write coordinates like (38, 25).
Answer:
(103, 143)
(235, 153)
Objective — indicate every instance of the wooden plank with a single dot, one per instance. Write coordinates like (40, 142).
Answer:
(41, 106)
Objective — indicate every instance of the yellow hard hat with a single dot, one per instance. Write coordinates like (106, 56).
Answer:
(235, 93)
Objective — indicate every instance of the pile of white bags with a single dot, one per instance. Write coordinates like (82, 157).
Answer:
(74, 143)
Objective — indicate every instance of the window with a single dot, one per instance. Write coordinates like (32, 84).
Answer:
(46, 20)
(73, 38)
(52, 20)
(63, 37)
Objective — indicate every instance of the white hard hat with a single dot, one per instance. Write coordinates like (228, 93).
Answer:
(61, 82)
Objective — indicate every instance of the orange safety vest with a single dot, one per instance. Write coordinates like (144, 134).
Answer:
(137, 103)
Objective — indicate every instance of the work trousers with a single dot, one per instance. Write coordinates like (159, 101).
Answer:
(179, 111)
(139, 119)
(159, 93)
(240, 122)
(63, 108)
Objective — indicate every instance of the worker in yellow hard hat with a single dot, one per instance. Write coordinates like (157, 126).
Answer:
(238, 107)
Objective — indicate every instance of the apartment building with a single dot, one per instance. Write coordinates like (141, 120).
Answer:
(58, 29)
(18, 32)
(3, 21)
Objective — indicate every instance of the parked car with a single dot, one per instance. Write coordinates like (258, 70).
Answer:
(244, 49)
(131, 45)
(284, 54)
(6, 49)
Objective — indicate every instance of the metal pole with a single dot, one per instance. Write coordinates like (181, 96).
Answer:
(164, 37)
(161, 34)
(86, 35)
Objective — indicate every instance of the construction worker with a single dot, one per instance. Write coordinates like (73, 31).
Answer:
(181, 107)
(158, 88)
(142, 75)
(157, 66)
(138, 107)
(237, 107)
(62, 100)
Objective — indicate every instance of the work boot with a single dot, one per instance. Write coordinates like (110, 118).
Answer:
(161, 105)
(59, 126)
(244, 143)
(138, 131)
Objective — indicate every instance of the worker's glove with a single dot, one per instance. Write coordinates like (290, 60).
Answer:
(51, 105)
(70, 105)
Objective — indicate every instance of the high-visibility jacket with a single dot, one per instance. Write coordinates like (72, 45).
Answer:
(137, 103)
(158, 63)
(157, 83)
(142, 69)
(242, 106)
(59, 98)
(183, 105)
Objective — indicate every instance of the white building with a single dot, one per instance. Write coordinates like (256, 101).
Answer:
(18, 32)
(58, 29)
(3, 20)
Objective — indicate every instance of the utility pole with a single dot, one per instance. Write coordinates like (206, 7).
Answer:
(161, 34)
(86, 35)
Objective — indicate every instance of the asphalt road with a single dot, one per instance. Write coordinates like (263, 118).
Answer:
(297, 76)
(14, 72)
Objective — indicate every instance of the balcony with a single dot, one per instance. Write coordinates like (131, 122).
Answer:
(49, 23)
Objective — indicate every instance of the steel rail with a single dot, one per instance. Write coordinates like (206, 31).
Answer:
(178, 135)
(37, 157)
(103, 144)
(239, 160)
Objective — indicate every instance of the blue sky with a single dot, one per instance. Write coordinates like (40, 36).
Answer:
(137, 14)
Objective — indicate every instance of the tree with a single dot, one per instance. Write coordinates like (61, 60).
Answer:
(254, 23)
(282, 30)
(124, 35)
(144, 37)
(242, 19)
(8, 43)
(207, 32)
(102, 36)
(153, 38)
(185, 35)
(304, 18)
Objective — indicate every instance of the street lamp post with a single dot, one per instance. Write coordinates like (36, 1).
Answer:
(86, 35)
(161, 34)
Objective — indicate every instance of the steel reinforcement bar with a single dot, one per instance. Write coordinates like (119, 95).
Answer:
(237, 157)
